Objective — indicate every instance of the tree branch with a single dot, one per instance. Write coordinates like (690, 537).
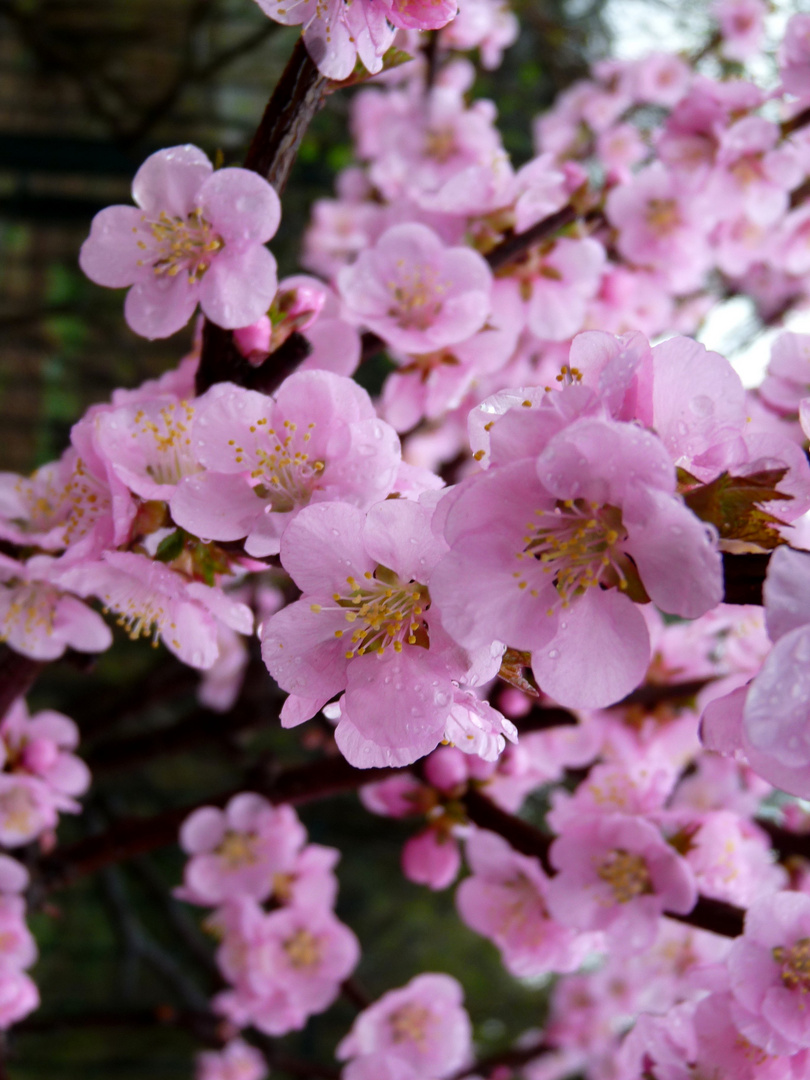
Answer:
(299, 94)
(130, 837)
(18, 674)
(517, 244)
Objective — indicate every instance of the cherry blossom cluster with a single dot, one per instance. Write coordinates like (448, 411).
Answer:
(282, 950)
(655, 821)
(504, 578)
(40, 779)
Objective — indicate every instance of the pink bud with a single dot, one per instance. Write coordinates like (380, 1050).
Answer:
(303, 300)
(254, 338)
(513, 702)
(40, 755)
(396, 797)
(446, 768)
(431, 858)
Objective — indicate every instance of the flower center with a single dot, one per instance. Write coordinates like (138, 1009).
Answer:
(663, 216)
(237, 849)
(795, 963)
(384, 610)
(576, 542)
(410, 1024)
(169, 429)
(285, 472)
(417, 294)
(303, 950)
(16, 810)
(626, 874)
(181, 244)
(31, 611)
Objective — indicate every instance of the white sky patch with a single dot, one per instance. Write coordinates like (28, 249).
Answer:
(640, 27)
(733, 330)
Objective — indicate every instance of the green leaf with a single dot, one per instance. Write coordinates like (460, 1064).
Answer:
(731, 504)
(171, 546)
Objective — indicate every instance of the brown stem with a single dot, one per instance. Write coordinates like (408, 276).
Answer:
(297, 97)
(521, 836)
(788, 844)
(130, 837)
(651, 694)
(513, 1058)
(18, 674)
(743, 578)
(514, 246)
(299, 94)
(800, 120)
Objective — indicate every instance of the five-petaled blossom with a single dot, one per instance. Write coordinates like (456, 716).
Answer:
(197, 236)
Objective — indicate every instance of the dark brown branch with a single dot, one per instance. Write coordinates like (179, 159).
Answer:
(788, 844)
(542, 718)
(521, 836)
(652, 694)
(800, 120)
(513, 1059)
(299, 94)
(714, 915)
(516, 245)
(743, 578)
(297, 97)
(18, 674)
(130, 837)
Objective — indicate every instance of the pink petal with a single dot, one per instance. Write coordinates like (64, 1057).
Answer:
(202, 831)
(170, 180)
(110, 255)
(241, 206)
(600, 653)
(239, 286)
(159, 305)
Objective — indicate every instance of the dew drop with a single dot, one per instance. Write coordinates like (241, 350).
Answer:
(702, 405)
(553, 654)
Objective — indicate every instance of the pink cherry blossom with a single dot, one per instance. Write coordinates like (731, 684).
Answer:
(28, 806)
(660, 227)
(505, 900)
(414, 292)
(237, 1061)
(794, 56)
(153, 601)
(768, 972)
(287, 966)
(598, 493)
(40, 745)
(265, 458)
(618, 874)
(197, 236)
(39, 619)
(431, 858)
(364, 625)
(742, 26)
(148, 445)
(18, 997)
(240, 850)
(423, 1024)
